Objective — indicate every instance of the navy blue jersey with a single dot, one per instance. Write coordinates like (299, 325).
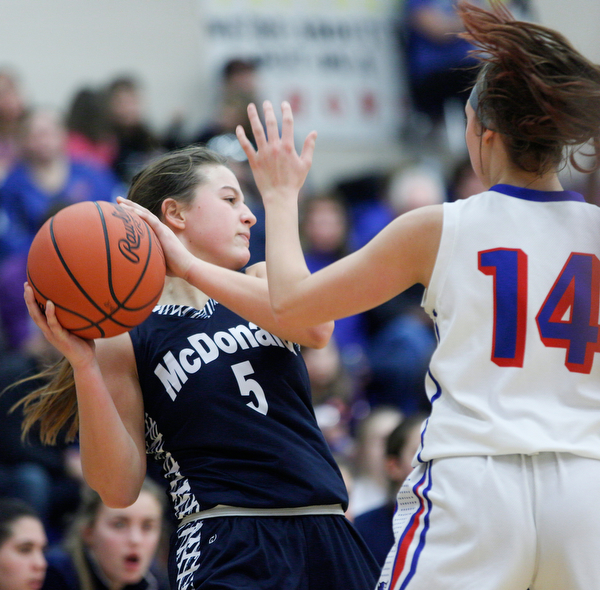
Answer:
(229, 413)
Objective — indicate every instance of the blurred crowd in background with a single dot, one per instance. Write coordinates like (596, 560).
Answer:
(368, 384)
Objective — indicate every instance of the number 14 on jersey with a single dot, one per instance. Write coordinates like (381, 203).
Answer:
(567, 319)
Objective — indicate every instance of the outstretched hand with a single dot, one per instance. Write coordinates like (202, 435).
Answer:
(278, 169)
(177, 257)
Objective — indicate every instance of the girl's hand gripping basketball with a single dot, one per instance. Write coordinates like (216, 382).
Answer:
(75, 349)
(177, 257)
(278, 169)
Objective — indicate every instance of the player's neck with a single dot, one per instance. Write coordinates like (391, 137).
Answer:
(520, 178)
(179, 292)
(502, 171)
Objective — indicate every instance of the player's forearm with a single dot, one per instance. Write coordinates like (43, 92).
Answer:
(112, 463)
(288, 274)
(248, 296)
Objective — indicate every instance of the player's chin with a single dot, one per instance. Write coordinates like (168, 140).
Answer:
(241, 258)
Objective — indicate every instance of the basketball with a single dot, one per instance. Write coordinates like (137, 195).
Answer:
(101, 266)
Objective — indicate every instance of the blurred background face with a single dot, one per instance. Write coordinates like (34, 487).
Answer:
(400, 467)
(11, 101)
(376, 428)
(44, 137)
(126, 107)
(123, 541)
(243, 80)
(22, 561)
(325, 225)
(414, 188)
(322, 364)
(468, 184)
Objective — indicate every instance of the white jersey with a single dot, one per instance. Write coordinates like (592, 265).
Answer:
(515, 295)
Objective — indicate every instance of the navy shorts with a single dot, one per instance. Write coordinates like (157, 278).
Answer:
(323, 552)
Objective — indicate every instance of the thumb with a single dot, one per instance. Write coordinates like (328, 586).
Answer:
(308, 148)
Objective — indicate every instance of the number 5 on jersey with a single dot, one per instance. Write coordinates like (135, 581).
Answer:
(567, 319)
(250, 386)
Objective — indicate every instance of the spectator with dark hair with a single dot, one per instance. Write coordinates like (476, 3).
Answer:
(137, 143)
(238, 88)
(240, 74)
(370, 486)
(90, 136)
(401, 446)
(22, 545)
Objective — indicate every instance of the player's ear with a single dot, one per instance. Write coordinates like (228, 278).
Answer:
(488, 135)
(173, 213)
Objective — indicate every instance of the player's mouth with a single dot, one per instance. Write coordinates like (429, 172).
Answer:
(132, 561)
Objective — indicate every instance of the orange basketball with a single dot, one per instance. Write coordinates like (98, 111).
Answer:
(101, 266)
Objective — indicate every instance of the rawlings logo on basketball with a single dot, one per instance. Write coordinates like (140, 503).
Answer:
(129, 245)
(120, 280)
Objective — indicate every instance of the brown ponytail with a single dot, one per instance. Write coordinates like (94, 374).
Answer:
(53, 405)
(538, 91)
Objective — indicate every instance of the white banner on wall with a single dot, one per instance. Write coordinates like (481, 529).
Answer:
(335, 61)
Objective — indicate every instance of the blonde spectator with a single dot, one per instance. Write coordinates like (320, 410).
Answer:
(111, 548)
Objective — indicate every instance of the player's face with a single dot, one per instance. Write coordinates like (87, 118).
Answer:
(123, 541)
(218, 221)
(22, 561)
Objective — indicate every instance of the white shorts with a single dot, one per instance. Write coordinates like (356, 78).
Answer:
(509, 522)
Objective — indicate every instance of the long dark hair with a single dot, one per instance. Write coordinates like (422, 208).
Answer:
(535, 89)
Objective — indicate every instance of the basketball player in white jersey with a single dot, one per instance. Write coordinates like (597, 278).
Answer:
(505, 484)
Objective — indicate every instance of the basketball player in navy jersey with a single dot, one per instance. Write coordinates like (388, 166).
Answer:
(504, 490)
(219, 394)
